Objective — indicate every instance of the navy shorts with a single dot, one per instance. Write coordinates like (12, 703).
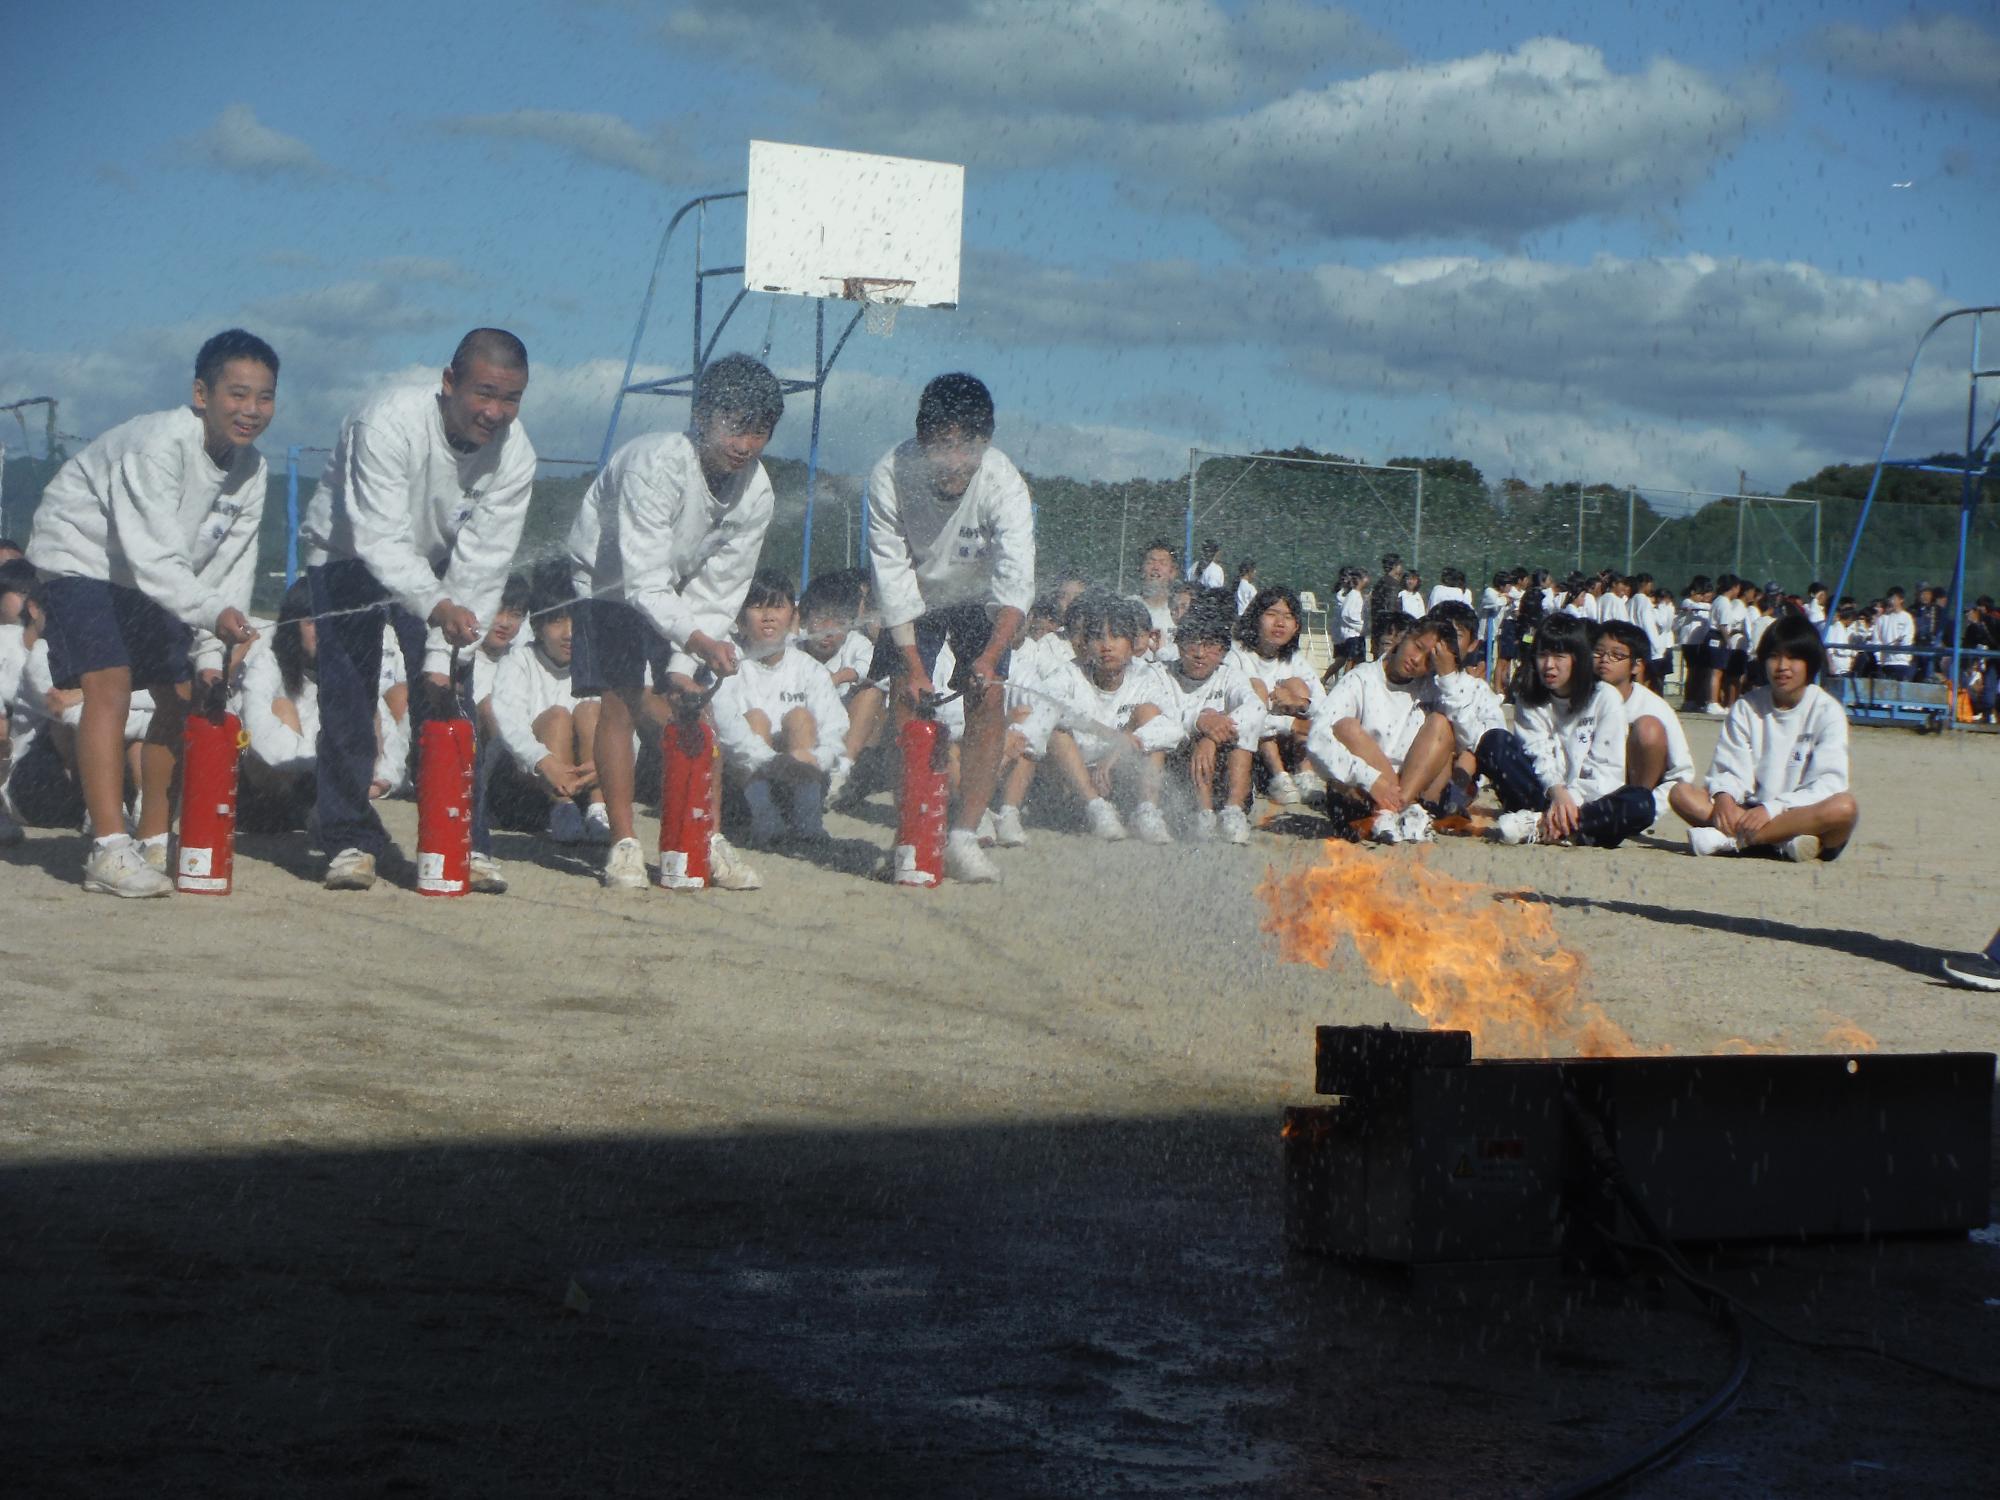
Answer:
(969, 629)
(612, 646)
(95, 624)
(1510, 640)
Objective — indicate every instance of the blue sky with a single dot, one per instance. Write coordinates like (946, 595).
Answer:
(1647, 244)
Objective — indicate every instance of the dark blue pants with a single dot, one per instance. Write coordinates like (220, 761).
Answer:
(1606, 821)
(350, 669)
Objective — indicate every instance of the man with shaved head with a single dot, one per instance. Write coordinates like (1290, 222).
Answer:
(416, 521)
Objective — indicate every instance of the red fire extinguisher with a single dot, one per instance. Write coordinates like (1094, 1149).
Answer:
(925, 797)
(213, 744)
(447, 752)
(686, 798)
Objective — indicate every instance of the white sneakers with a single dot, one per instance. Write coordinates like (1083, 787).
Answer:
(1151, 824)
(597, 824)
(726, 869)
(1104, 820)
(119, 869)
(1204, 825)
(350, 870)
(483, 875)
(1007, 830)
(1715, 710)
(1523, 827)
(625, 867)
(1284, 790)
(1309, 783)
(1235, 825)
(1387, 828)
(966, 862)
(153, 851)
(1414, 824)
(836, 781)
(1802, 849)
(987, 831)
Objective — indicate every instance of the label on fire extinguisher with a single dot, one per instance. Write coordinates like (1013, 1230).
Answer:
(674, 872)
(197, 861)
(907, 872)
(430, 875)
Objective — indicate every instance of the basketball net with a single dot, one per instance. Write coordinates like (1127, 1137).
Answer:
(881, 298)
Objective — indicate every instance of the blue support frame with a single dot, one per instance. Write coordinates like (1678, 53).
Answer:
(1976, 464)
(683, 385)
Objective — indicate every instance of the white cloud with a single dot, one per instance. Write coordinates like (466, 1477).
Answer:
(607, 140)
(348, 312)
(239, 142)
(1938, 54)
(1250, 116)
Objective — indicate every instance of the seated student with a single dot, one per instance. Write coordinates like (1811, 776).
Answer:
(1208, 696)
(498, 641)
(1043, 651)
(147, 544)
(1267, 653)
(17, 583)
(778, 720)
(548, 732)
(1560, 774)
(1656, 748)
(830, 633)
(1386, 732)
(41, 782)
(1114, 719)
(1779, 776)
(279, 706)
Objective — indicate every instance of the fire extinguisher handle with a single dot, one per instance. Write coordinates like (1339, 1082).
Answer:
(929, 703)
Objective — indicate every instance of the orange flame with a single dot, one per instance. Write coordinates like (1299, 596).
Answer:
(1458, 959)
(1446, 950)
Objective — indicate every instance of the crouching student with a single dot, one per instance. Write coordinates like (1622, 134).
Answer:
(1114, 721)
(548, 732)
(147, 545)
(279, 706)
(1779, 777)
(1388, 731)
(1656, 748)
(1560, 774)
(665, 545)
(1209, 696)
(1043, 651)
(1267, 653)
(779, 721)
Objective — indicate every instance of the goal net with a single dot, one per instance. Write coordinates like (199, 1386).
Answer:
(1765, 538)
(1303, 518)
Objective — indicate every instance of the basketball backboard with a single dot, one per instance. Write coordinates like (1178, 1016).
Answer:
(817, 219)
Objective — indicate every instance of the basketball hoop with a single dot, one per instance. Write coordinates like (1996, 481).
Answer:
(881, 298)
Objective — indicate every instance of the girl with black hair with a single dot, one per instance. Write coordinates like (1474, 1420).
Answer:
(1267, 653)
(1560, 774)
(281, 716)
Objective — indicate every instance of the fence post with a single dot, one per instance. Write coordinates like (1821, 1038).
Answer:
(1417, 526)
(1579, 528)
(1742, 509)
(1631, 505)
(1189, 557)
(291, 515)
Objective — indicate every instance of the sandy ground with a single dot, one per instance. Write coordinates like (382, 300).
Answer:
(858, 1191)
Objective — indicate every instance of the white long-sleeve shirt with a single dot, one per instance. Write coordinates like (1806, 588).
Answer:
(1076, 703)
(1270, 671)
(526, 685)
(1781, 758)
(1225, 690)
(1441, 592)
(653, 533)
(144, 506)
(1656, 618)
(1839, 655)
(1352, 620)
(1495, 604)
(1691, 621)
(431, 523)
(1644, 703)
(1412, 603)
(1895, 627)
(1161, 617)
(776, 685)
(272, 740)
(1580, 748)
(1391, 713)
(856, 653)
(928, 553)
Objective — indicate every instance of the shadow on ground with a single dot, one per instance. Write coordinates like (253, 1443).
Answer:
(1052, 1309)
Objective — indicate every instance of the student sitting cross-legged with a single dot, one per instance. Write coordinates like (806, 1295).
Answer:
(779, 720)
(1387, 732)
(1267, 653)
(548, 732)
(1209, 695)
(1561, 773)
(1114, 720)
(1779, 776)
(830, 633)
(279, 706)
(1656, 748)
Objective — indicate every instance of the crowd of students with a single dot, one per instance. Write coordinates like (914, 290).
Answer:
(1165, 716)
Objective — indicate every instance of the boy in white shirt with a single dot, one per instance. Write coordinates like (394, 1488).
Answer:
(547, 731)
(1209, 573)
(1158, 568)
(499, 640)
(17, 583)
(147, 546)
(1115, 717)
(1781, 771)
(778, 720)
(1727, 658)
(829, 633)
(1779, 776)
(1213, 703)
(1656, 748)
(664, 548)
(416, 520)
(952, 543)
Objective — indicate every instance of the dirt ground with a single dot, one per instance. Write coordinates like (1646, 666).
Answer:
(836, 1189)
